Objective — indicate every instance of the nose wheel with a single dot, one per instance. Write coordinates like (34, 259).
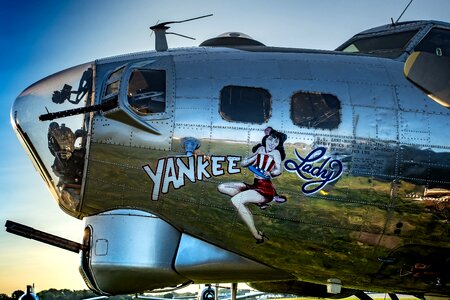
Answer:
(208, 293)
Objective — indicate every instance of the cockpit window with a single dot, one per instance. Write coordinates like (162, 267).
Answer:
(147, 91)
(436, 42)
(390, 45)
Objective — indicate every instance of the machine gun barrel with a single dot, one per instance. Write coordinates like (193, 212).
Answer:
(31, 233)
(110, 104)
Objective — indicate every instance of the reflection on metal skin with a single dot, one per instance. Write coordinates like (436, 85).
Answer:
(203, 263)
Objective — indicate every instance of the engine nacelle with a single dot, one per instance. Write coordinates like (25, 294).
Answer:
(130, 251)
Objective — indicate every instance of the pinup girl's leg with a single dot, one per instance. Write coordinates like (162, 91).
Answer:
(239, 201)
(231, 188)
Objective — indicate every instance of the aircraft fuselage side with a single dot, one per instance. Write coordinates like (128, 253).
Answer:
(382, 144)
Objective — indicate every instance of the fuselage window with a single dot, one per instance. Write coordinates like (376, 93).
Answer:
(436, 42)
(245, 104)
(147, 91)
(315, 110)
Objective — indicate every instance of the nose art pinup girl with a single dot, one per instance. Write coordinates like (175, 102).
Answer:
(265, 163)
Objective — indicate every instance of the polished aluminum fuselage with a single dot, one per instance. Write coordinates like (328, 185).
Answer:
(392, 140)
(386, 212)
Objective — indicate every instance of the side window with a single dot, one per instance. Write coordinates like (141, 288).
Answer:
(315, 110)
(245, 104)
(147, 91)
(437, 42)
(112, 84)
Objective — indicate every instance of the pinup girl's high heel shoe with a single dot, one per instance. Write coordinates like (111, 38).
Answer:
(263, 237)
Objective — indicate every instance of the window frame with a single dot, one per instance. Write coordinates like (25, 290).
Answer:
(164, 63)
(165, 92)
(110, 80)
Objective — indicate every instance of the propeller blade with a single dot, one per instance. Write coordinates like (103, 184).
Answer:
(157, 22)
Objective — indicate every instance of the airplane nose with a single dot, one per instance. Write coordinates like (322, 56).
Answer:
(57, 145)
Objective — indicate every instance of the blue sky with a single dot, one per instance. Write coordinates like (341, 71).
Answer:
(39, 38)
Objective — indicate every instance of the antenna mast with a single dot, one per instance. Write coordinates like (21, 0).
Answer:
(396, 22)
(160, 31)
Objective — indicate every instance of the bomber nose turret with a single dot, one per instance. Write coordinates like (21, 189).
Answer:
(47, 120)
